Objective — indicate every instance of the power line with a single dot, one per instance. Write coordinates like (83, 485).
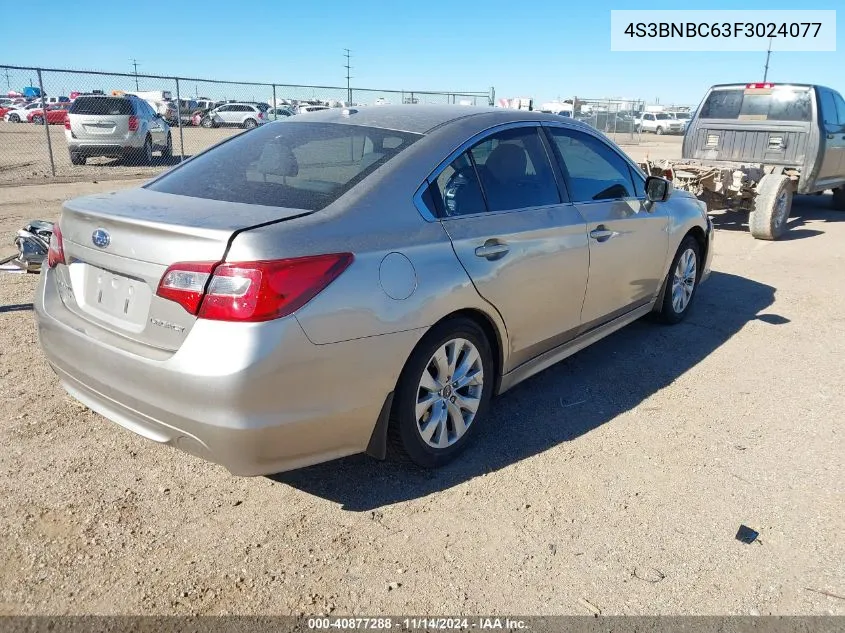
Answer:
(768, 54)
(348, 57)
(135, 66)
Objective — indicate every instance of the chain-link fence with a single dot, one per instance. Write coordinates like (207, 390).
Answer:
(37, 143)
(614, 117)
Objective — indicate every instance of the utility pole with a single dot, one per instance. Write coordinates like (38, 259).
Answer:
(348, 56)
(135, 65)
(768, 54)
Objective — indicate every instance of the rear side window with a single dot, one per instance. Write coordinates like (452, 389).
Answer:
(595, 171)
(782, 103)
(101, 106)
(514, 170)
(287, 164)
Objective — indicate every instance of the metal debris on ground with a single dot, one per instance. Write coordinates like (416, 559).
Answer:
(33, 243)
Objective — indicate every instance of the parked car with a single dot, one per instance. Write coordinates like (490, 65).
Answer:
(275, 114)
(311, 108)
(186, 108)
(245, 115)
(314, 289)
(20, 114)
(55, 100)
(56, 115)
(122, 127)
(659, 123)
(683, 117)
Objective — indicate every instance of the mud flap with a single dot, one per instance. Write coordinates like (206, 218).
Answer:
(377, 447)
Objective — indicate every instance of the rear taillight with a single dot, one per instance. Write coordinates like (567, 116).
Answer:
(133, 123)
(260, 115)
(250, 291)
(67, 122)
(56, 252)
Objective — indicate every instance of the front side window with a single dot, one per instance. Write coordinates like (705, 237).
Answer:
(595, 170)
(840, 107)
(290, 164)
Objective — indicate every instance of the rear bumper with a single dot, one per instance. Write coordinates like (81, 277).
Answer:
(255, 398)
(100, 149)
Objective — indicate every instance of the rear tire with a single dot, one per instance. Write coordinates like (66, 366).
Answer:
(250, 123)
(167, 152)
(76, 158)
(145, 154)
(435, 434)
(768, 220)
(14, 118)
(839, 198)
(682, 282)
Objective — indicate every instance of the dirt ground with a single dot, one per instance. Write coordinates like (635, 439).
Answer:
(617, 478)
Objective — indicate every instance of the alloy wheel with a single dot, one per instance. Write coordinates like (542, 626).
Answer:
(449, 393)
(683, 281)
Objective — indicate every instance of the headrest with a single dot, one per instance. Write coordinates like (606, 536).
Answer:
(277, 160)
(507, 161)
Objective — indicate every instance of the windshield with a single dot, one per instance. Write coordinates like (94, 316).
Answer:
(783, 103)
(287, 164)
(662, 117)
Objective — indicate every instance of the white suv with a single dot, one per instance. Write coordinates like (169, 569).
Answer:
(125, 127)
(245, 115)
(659, 123)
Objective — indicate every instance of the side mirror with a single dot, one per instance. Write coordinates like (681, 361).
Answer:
(657, 189)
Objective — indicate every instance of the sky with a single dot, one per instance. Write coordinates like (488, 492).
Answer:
(543, 49)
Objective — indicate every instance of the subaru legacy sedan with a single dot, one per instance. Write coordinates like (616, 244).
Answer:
(358, 280)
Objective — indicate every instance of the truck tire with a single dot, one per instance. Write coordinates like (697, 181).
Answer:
(771, 207)
(839, 199)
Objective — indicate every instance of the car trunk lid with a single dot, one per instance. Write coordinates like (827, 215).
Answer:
(118, 246)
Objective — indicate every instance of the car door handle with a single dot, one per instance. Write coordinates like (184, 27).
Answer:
(492, 250)
(602, 235)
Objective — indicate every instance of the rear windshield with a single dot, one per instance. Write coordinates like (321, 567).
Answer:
(287, 164)
(778, 104)
(101, 105)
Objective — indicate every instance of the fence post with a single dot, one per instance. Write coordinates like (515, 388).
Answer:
(46, 123)
(275, 105)
(492, 96)
(179, 118)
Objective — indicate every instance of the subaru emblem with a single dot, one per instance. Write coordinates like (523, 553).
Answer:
(101, 238)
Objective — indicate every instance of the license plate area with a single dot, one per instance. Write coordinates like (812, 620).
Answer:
(111, 297)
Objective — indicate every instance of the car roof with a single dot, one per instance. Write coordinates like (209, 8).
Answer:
(422, 119)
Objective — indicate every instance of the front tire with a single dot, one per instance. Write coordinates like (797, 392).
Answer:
(768, 220)
(659, 131)
(167, 152)
(207, 122)
(681, 282)
(443, 394)
(37, 120)
(839, 198)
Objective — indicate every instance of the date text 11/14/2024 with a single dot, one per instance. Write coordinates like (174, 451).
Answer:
(416, 623)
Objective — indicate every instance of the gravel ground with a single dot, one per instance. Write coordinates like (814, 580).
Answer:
(615, 480)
